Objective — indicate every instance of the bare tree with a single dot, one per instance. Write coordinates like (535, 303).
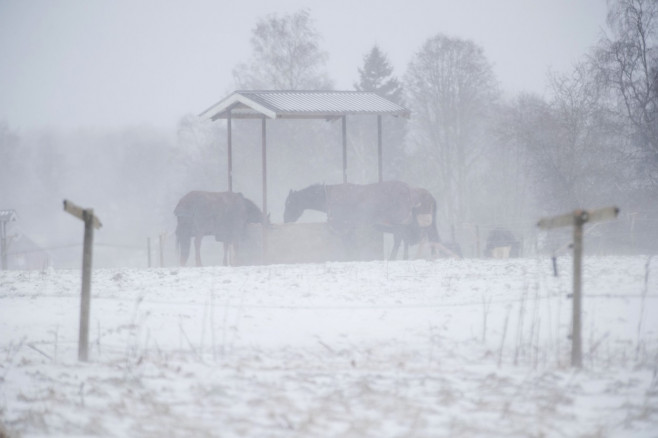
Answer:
(579, 167)
(450, 89)
(508, 185)
(627, 63)
(286, 55)
(199, 156)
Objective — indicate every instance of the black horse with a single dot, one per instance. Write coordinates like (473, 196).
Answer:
(391, 206)
(220, 214)
(423, 229)
(504, 239)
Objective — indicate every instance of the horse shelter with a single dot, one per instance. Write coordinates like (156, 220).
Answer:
(303, 242)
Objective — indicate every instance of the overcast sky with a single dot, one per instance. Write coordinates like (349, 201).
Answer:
(93, 63)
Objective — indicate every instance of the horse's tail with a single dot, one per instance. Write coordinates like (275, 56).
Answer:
(183, 240)
(177, 242)
(178, 238)
(433, 232)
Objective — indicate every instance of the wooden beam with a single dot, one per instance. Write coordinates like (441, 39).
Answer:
(570, 218)
(79, 212)
(556, 221)
(603, 214)
(264, 164)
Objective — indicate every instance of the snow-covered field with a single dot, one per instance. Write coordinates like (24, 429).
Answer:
(371, 349)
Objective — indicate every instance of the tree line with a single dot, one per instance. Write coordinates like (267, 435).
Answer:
(489, 159)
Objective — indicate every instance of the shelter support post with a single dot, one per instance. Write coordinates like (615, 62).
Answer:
(229, 141)
(344, 124)
(379, 148)
(264, 164)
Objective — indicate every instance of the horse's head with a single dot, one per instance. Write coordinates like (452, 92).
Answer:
(312, 197)
(294, 207)
(254, 214)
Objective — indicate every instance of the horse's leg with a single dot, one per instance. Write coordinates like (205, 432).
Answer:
(396, 246)
(434, 239)
(235, 247)
(421, 247)
(228, 259)
(197, 248)
(184, 247)
(405, 250)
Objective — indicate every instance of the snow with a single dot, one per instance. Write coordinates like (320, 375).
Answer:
(417, 348)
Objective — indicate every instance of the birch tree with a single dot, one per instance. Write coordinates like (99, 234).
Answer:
(627, 63)
(450, 89)
(286, 55)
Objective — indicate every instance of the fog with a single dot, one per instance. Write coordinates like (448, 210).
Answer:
(99, 104)
(72, 63)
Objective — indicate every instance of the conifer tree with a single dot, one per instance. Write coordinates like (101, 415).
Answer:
(377, 76)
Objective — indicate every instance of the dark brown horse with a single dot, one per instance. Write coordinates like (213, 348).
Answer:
(220, 214)
(391, 206)
(423, 229)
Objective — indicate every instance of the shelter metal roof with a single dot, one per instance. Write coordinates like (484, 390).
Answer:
(301, 104)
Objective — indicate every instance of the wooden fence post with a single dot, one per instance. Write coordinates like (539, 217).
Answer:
(91, 222)
(148, 251)
(477, 241)
(578, 218)
(3, 245)
(5, 217)
(162, 243)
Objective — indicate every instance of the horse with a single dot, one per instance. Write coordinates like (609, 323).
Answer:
(221, 214)
(501, 243)
(422, 229)
(390, 206)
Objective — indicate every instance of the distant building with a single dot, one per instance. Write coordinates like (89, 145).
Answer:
(25, 254)
(18, 251)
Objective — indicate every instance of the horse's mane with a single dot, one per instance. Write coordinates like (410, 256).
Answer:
(254, 214)
(314, 187)
(312, 190)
